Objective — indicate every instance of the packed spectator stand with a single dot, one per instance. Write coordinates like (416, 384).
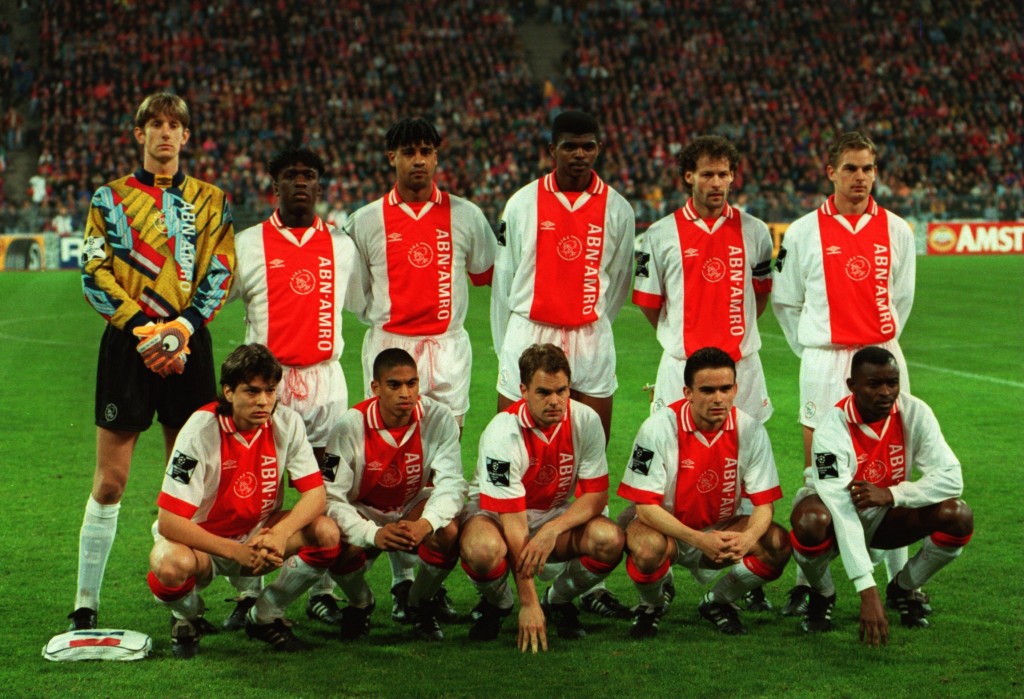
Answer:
(937, 85)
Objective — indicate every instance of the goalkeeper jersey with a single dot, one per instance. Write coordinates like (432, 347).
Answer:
(157, 248)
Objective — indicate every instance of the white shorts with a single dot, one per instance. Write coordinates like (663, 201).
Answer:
(870, 518)
(444, 364)
(380, 518)
(319, 394)
(221, 565)
(689, 557)
(751, 390)
(535, 519)
(823, 374)
(590, 350)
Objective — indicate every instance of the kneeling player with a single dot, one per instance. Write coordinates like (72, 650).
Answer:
(220, 505)
(395, 483)
(532, 457)
(691, 463)
(856, 495)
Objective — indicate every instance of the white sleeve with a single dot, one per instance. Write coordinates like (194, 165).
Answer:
(941, 475)
(760, 476)
(345, 451)
(506, 261)
(588, 442)
(194, 467)
(483, 245)
(833, 466)
(788, 287)
(646, 476)
(360, 282)
(620, 266)
(300, 462)
(354, 299)
(648, 285)
(445, 464)
(500, 465)
(905, 272)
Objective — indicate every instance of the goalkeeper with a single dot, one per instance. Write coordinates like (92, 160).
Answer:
(156, 264)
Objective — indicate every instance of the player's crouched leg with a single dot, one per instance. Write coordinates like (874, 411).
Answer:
(952, 525)
(349, 571)
(483, 552)
(438, 554)
(597, 546)
(310, 552)
(174, 569)
(648, 565)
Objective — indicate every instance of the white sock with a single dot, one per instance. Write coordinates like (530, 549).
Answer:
(734, 584)
(652, 594)
(817, 571)
(188, 607)
(402, 566)
(926, 563)
(247, 586)
(574, 581)
(353, 586)
(497, 592)
(323, 585)
(295, 577)
(427, 582)
(99, 525)
(895, 560)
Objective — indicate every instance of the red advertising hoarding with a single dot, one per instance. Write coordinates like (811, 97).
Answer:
(976, 238)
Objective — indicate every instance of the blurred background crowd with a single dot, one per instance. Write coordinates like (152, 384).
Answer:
(937, 84)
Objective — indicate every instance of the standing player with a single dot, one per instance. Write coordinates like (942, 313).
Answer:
(691, 463)
(417, 246)
(857, 495)
(563, 267)
(220, 505)
(703, 277)
(157, 265)
(294, 275)
(533, 457)
(844, 278)
(395, 483)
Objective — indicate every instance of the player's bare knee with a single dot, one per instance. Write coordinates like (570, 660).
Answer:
(647, 549)
(606, 540)
(325, 532)
(109, 486)
(811, 524)
(775, 546)
(171, 568)
(482, 553)
(956, 517)
(446, 538)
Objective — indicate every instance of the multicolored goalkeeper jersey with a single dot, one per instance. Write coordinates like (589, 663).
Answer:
(157, 248)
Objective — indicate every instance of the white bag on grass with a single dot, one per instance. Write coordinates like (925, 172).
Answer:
(98, 644)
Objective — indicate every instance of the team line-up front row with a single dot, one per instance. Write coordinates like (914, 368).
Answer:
(393, 481)
(161, 258)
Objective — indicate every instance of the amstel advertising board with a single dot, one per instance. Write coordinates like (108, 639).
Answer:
(976, 238)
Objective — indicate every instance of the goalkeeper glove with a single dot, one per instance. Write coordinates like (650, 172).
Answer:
(164, 346)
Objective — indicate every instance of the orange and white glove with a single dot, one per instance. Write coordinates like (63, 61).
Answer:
(164, 346)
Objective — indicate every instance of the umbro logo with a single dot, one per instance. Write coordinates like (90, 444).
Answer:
(547, 225)
(690, 252)
(394, 237)
(276, 263)
(833, 250)
(687, 463)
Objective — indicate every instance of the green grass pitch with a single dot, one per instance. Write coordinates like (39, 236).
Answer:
(963, 343)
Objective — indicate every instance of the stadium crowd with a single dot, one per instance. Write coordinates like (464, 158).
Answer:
(938, 87)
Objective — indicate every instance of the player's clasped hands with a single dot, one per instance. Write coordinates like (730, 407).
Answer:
(723, 547)
(395, 536)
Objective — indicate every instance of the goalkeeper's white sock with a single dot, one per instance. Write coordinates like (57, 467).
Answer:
(94, 542)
